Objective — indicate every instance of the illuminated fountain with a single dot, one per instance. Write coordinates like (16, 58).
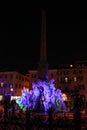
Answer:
(43, 94)
(42, 97)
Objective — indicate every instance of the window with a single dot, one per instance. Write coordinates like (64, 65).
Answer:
(0, 76)
(33, 75)
(19, 85)
(19, 77)
(60, 73)
(51, 75)
(16, 76)
(16, 85)
(75, 79)
(66, 88)
(80, 78)
(5, 75)
(2, 84)
(80, 72)
(75, 87)
(75, 72)
(65, 72)
(66, 79)
(22, 79)
(81, 87)
(11, 76)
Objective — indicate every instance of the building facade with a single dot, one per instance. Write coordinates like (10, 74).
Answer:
(71, 79)
(13, 82)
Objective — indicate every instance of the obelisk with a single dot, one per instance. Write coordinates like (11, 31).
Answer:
(43, 65)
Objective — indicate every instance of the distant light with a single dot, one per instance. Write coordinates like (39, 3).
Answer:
(2, 84)
(27, 89)
(75, 78)
(71, 65)
(64, 97)
(11, 89)
(66, 79)
(1, 97)
(14, 97)
(43, 98)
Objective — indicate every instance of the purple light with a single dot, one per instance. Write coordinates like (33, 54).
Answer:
(11, 89)
(42, 96)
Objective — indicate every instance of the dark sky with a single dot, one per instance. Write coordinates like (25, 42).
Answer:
(20, 37)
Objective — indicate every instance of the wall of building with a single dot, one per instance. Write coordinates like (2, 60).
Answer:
(13, 79)
(68, 79)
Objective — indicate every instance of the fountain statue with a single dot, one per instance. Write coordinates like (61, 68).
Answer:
(43, 96)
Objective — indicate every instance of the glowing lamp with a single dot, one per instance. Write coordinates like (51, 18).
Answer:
(11, 89)
(2, 84)
(43, 98)
(27, 89)
(64, 97)
(71, 65)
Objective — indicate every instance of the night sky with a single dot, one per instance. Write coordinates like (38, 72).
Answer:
(20, 37)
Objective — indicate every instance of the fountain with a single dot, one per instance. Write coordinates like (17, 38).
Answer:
(43, 96)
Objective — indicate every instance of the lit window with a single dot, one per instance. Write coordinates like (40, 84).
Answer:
(2, 84)
(1, 97)
(66, 79)
(75, 79)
